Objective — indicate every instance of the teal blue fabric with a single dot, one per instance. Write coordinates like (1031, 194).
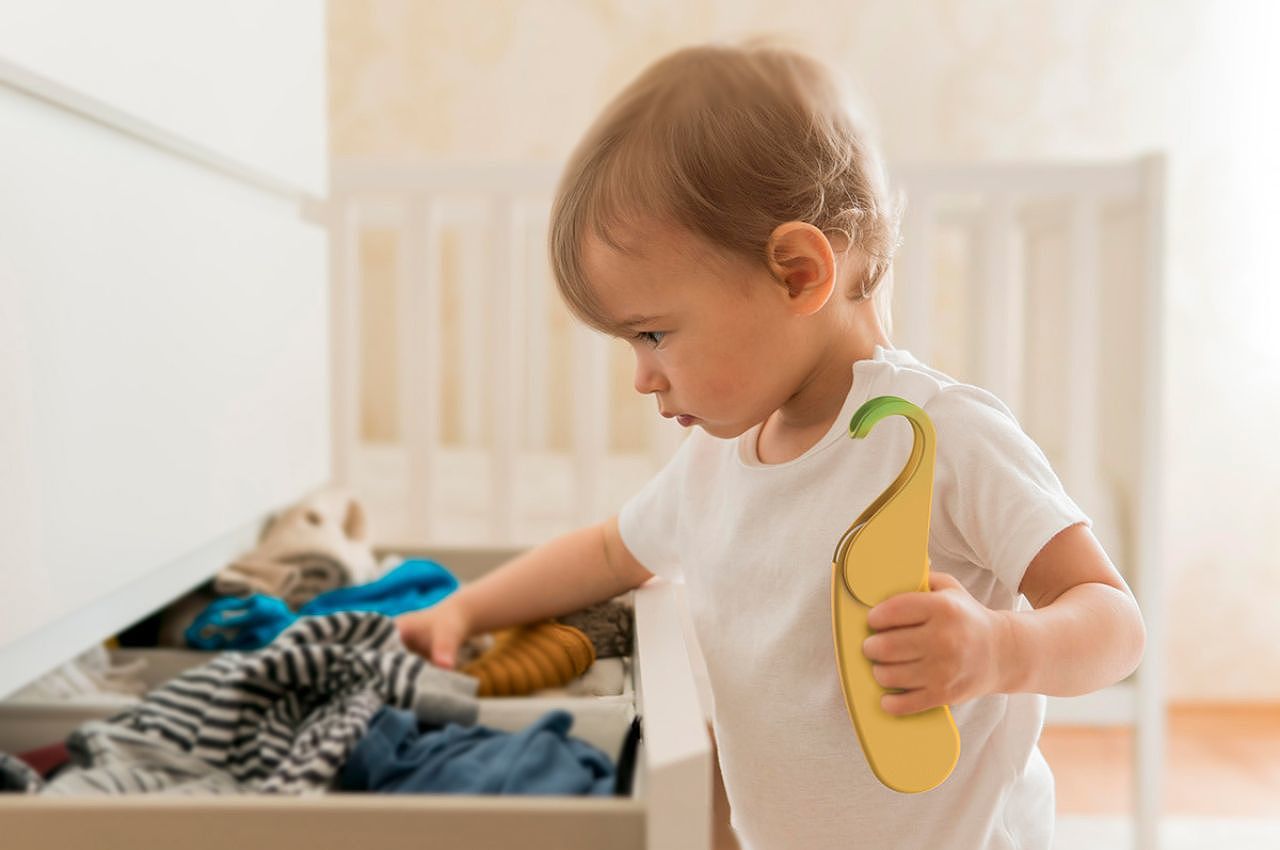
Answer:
(395, 757)
(253, 622)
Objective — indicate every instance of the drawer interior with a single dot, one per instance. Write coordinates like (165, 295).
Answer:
(337, 820)
(601, 721)
(668, 806)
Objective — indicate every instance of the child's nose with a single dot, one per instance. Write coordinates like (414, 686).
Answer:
(648, 379)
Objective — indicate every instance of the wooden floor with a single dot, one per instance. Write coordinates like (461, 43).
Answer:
(1220, 760)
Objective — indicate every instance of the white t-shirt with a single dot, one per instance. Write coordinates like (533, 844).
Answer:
(754, 544)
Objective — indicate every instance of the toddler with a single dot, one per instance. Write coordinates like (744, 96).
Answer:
(728, 216)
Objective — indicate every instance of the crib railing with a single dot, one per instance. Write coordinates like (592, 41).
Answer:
(971, 294)
(507, 291)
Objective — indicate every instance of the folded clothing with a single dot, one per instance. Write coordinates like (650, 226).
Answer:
(396, 757)
(111, 759)
(608, 625)
(253, 622)
(281, 720)
(415, 583)
(91, 676)
(321, 543)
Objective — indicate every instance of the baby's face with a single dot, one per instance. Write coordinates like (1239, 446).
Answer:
(713, 339)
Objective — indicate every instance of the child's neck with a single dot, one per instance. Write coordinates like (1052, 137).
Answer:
(807, 416)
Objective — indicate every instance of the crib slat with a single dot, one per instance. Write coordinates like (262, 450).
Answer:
(472, 277)
(346, 225)
(913, 278)
(590, 420)
(1149, 744)
(996, 338)
(506, 343)
(538, 326)
(418, 351)
(1080, 452)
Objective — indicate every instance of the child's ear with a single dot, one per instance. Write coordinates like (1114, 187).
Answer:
(801, 259)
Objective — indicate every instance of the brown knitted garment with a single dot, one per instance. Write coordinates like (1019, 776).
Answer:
(608, 624)
(530, 658)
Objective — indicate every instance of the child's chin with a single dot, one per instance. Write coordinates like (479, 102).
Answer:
(724, 432)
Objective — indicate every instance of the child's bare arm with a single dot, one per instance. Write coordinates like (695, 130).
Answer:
(1086, 632)
(945, 647)
(565, 574)
(562, 575)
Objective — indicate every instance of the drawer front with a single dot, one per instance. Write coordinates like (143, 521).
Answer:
(330, 822)
(467, 822)
(164, 358)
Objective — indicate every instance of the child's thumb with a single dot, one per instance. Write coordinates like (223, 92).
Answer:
(444, 652)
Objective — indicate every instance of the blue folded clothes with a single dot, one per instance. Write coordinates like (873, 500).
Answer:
(254, 621)
(395, 757)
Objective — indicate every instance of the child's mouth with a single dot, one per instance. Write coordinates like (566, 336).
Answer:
(686, 420)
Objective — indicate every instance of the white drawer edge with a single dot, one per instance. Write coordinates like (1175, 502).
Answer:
(677, 750)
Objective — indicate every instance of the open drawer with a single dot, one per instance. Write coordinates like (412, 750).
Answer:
(670, 804)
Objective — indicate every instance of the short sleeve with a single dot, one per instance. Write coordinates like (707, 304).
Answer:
(649, 521)
(997, 500)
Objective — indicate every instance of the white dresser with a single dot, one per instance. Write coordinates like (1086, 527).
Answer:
(165, 385)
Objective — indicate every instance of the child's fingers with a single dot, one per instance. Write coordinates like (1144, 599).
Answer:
(907, 676)
(445, 651)
(895, 646)
(909, 702)
(413, 635)
(905, 609)
(943, 581)
(915, 607)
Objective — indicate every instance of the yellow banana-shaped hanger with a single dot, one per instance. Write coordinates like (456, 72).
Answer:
(885, 552)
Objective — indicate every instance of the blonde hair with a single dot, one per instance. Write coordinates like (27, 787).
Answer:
(727, 142)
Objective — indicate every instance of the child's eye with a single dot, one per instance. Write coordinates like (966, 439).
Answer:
(651, 337)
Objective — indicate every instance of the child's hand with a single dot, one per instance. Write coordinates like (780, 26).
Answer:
(436, 632)
(940, 647)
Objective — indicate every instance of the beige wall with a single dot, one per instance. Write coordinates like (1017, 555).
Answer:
(457, 80)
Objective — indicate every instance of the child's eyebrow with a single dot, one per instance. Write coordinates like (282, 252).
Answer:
(626, 326)
(638, 320)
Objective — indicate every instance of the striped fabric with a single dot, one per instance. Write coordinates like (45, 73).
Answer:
(279, 720)
(125, 761)
(17, 775)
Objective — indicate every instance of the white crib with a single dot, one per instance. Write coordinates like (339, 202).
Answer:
(505, 423)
